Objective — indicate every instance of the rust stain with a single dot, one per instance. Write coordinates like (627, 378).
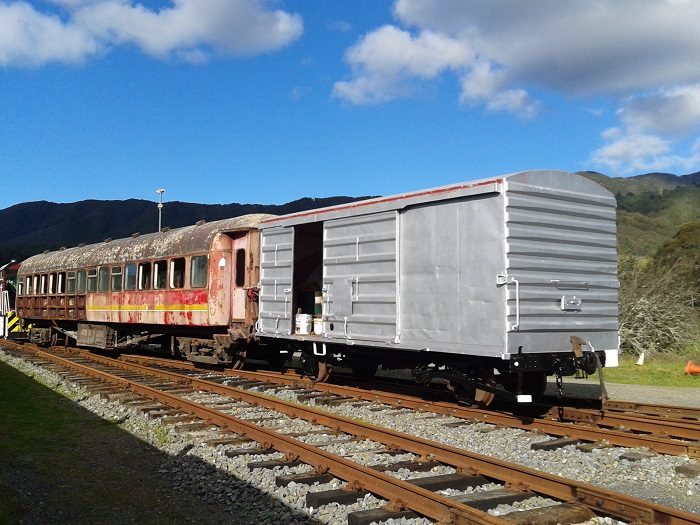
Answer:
(174, 243)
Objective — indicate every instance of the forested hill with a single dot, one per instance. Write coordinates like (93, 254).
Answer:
(655, 209)
(656, 212)
(30, 228)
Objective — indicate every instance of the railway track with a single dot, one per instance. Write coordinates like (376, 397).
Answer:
(650, 409)
(196, 400)
(614, 426)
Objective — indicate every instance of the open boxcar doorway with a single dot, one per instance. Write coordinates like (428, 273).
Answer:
(308, 267)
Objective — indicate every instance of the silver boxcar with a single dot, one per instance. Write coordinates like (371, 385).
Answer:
(511, 265)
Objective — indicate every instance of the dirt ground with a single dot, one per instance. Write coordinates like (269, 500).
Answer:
(586, 388)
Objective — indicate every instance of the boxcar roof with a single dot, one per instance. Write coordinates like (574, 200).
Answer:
(172, 243)
(546, 178)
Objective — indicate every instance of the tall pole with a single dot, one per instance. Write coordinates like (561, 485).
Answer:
(160, 192)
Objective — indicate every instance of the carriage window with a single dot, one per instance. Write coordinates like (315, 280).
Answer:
(198, 271)
(177, 273)
(52, 283)
(130, 277)
(43, 284)
(20, 286)
(160, 274)
(81, 281)
(92, 280)
(240, 268)
(103, 279)
(116, 278)
(35, 285)
(70, 282)
(61, 287)
(144, 276)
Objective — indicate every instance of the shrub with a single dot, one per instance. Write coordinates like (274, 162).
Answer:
(656, 306)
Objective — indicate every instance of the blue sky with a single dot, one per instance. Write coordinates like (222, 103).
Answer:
(225, 101)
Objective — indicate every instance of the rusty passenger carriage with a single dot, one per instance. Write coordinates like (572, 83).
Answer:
(192, 289)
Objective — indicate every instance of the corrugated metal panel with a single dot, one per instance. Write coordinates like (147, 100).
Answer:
(449, 297)
(561, 246)
(359, 276)
(276, 277)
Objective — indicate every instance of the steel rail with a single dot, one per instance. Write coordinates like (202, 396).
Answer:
(651, 409)
(655, 440)
(401, 493)
(679, 429)
(514, 475)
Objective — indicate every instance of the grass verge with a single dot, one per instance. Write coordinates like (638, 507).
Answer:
(60, 463)
(660, 370)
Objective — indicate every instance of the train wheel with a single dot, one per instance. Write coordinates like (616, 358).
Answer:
(324, 372)
(473, 397)
(483, 397)
(239, 361)
(319, 371)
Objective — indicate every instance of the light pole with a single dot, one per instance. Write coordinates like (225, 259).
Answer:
(160, 192)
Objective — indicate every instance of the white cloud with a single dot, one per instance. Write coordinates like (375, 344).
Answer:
(341, 26)
(644, 53)
(574, 48)
(189, 30)
(629, 151)
(30, 38)
(673, 111)
(299, 92)
(483, 84)
(386, 58)
(653, 127)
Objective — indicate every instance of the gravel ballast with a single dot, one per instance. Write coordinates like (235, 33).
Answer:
(652, 478)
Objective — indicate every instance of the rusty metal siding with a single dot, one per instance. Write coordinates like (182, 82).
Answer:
(238, 294)
(561, 248)
(171, 307)
(209, 306)
(174, 243)
(219, 283)
(359, 276)
(276, 278)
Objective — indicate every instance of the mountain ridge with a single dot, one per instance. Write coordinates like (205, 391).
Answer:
(653, 181)
(33, 227)
(652, 207)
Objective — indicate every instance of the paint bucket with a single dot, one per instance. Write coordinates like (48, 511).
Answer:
(318, 303)
(318, 325)
(303, 324)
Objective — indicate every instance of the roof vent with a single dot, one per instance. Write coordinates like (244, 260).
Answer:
(108, 239)
(165, 229)
(134, 235)
(199, 223)
(45, 251)
(81, 245)
(61, 248)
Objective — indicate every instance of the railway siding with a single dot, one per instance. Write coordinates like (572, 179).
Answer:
(265, 419)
